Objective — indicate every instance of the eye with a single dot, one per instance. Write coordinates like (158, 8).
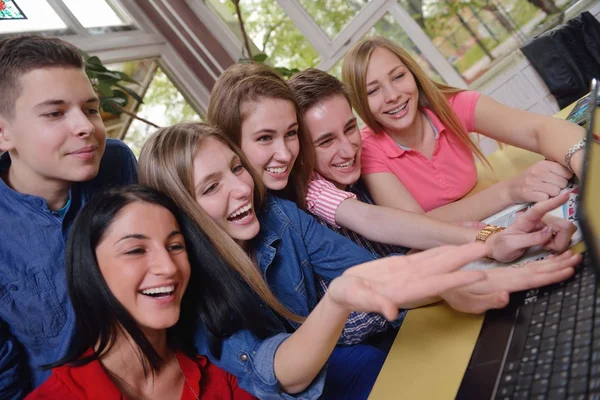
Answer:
(399, 76)
(264, 138)
(136, 251)
(350, 129)
(372, 91)
(176, 247)
(93, 111)
(238, 169)
(291, 133)
(54, 114)
(211, 188)
(326, 143)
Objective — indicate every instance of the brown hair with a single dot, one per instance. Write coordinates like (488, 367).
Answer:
(166, 164)
(432, 95)
(252, 82)
(313, 86)
(22, 54)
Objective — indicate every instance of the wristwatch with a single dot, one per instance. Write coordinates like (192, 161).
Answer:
(486, 232)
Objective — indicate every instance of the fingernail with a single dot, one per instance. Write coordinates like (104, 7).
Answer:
(547, 230)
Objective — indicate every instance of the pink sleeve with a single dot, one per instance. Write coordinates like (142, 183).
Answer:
(323, 198)
(373, 158)
(463, 104)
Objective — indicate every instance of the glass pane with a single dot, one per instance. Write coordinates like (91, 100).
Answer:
(39, 17)
(473, 36)
(271, 31)
(95, 13)
(389, 28)
(332, 15)
(163, 105)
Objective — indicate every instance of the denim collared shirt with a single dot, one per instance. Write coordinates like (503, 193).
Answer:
(36, 319)
(292, 248)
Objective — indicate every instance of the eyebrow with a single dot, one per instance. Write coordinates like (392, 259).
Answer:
(389, 73)
(144, 237)
(330, 134)
(268, 130)
(59, 102)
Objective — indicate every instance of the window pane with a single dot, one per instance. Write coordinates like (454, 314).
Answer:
(332, 15)
(473, 36)
(271, 31)
(40, 17)
(389, 28)
(163, 105)
(95, 13)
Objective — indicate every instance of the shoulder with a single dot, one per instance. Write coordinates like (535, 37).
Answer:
(367, 135)
(55, 387)
(118, 166)
(117, 149)
(463, 103)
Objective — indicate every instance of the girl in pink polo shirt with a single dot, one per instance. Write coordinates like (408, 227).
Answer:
(417, 154)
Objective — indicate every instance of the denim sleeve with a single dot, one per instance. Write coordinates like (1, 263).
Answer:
(11, 383)
(330, 253)
(252, 362)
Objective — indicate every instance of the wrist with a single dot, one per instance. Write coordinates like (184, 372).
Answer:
(334, 308)
(488, 236)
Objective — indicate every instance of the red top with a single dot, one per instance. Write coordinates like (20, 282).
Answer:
(91, 382)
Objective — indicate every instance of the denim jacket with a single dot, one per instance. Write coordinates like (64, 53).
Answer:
(35, 314)
(292, 248)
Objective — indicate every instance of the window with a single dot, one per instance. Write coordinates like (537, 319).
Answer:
(40, 17)
(332, 15)
(95, 13)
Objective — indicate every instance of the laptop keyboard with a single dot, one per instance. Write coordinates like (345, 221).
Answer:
(555, 347)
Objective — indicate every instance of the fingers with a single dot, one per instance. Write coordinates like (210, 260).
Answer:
(456, 257)
(478, 303)
(558, 170)
(435, 285)
(540, 209)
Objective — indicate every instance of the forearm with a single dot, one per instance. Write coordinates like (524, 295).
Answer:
(399, 227)
(300, 358)
(476, 207)
(555, 137)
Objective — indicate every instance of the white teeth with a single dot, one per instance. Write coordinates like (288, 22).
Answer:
(345, 165)
(397, 110)
(242, 210)
(162, 289)
(277, 170)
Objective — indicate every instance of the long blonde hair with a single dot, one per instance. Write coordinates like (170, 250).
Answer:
(432, 95)
(251, 82)
(166, 164)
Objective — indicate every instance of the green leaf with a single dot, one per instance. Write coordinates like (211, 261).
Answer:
(107, 105)
(132, 93)
(127, 78)
(94, 61)
(105, 89)
(261, 57)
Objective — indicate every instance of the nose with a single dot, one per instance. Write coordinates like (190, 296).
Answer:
(162, 263)
(347, 149)
(282, 152)
(241, 189)
(81, 124)
(390, 95)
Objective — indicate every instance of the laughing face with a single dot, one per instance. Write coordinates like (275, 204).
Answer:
(392, 92)
(270, 139)
(225, 190)
(145, 265)
(335, 136)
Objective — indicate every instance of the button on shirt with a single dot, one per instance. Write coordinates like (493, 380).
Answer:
(36, 319)
(447, 177)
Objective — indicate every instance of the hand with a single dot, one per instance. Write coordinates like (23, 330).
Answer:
(542, 180)
(390, 283)
(493, 292)
(533, 228)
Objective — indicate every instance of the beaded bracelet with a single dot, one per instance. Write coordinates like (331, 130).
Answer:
(574, 149)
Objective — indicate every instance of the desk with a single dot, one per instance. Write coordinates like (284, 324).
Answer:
(432, 350)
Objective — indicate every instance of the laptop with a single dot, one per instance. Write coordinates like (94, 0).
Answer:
(546, 343)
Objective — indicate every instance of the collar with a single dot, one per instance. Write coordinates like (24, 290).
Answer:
(268, 239)
(393, 149)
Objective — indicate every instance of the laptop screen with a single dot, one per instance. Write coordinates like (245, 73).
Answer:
(590, 202)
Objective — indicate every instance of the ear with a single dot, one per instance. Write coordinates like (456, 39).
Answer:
(6, 143)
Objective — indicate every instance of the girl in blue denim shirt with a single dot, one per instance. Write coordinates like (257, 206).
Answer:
(209, 178)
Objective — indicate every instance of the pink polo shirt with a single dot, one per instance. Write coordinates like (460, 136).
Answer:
(448, 176)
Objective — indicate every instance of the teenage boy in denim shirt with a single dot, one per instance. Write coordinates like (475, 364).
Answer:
(54, 157)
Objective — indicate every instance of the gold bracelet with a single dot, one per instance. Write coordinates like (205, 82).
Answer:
(488, 231)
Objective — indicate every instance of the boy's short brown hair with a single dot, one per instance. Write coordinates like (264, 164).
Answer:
(21, 54)
(313, 86)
